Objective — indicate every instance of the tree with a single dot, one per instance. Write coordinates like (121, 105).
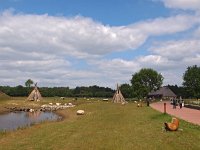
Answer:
(191, 81)
(179, 91)
(145, 81)
(92, 91)
(126, 90)
(28, 83)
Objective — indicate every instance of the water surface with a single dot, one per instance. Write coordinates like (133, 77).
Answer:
(11, 121)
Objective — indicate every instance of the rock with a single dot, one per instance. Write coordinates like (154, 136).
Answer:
(58, 104)
(31, 110)
(70, 104)
(105, 99)
(49, 107)
(80, 112)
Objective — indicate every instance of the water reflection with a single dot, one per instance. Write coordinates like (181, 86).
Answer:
(13, 120)
(33, 115)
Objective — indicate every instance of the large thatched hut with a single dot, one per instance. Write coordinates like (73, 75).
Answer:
(164, 93)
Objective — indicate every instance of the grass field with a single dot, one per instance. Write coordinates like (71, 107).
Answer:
(192, 102)
(105, 126)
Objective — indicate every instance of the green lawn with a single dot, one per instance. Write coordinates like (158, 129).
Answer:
(106, 126)
(192, 102)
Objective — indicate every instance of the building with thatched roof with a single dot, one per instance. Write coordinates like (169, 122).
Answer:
(118, 97)
(35, 94)
(164, 92)
(4, 96)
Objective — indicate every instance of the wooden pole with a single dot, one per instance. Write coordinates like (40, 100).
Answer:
(164, 108)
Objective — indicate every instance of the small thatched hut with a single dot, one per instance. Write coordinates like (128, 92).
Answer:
(118, 97)
(35, 94)
(4, 96)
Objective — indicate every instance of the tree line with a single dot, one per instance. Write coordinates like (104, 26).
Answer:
(141, 83)
(91, 91)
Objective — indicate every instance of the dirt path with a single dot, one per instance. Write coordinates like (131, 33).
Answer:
(187, 114)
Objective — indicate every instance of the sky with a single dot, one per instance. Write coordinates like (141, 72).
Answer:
(73, 43)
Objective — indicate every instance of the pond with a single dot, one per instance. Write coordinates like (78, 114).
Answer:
(12, 121)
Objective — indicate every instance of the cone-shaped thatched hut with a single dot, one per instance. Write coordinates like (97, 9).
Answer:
(35, 94)
(118, 97)
(4, 96)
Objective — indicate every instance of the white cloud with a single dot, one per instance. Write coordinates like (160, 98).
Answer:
(41, 47)
(173, 77)
(79, 36)
(173, 57)
(190, 61)
(183, 4)
(121, 71)
(177, 50)
(170, 25)
(156, 62)
(30, 65)
(116, 64)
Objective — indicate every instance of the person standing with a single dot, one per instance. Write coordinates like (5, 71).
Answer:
(180, 102)
(148, 101)
(174, 103)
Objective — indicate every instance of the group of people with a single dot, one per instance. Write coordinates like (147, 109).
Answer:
(176, 102)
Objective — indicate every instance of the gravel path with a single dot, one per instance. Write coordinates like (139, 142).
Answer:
(187, 114)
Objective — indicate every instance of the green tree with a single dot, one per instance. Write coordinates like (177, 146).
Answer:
(145, 81)
(191, 81)
(126, 90)
(28, 83)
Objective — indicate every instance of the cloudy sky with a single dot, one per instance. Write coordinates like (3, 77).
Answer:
(86, 42)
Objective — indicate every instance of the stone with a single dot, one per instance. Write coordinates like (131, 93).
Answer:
(80, 112)
(123, 103)
(70, 104)
(31, 110)
(58, 104)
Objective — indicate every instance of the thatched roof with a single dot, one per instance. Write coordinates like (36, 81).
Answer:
(35, 94)
(4, 96)
(118, 97)
(163, 91)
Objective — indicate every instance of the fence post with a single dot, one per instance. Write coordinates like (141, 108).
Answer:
(164, 108)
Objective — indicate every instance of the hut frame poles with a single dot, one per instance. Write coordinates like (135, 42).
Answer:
(35, 94)
(118, 97)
